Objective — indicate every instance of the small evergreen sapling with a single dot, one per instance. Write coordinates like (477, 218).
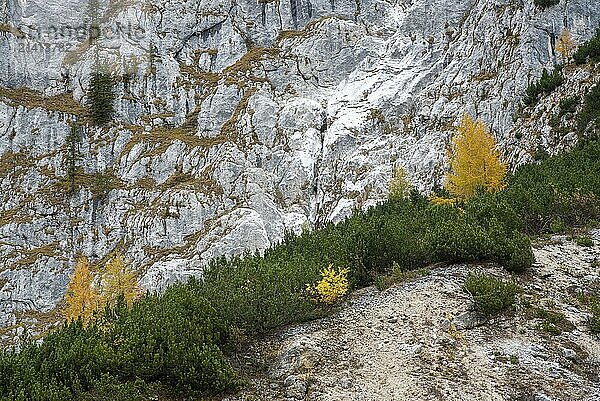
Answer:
(491, 295)
(101, 98)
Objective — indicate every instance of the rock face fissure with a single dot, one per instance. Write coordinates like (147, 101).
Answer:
(237, 121)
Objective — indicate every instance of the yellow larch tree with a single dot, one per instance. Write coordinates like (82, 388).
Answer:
(119, 280)
(400, 186)
(474, 161)
(566, 44)
(82, 300)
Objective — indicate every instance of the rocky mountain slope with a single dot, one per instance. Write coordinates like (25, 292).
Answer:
(424, 341)
(237, 121)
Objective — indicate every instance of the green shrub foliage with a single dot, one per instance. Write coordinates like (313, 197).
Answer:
(491, 295)
(174, 338)
(565, 188)
(588, 120)
(544, 86)
(545, 3)
(569, 105)
(595, 318)
(101, 98)
(179, 342)
(589, 51)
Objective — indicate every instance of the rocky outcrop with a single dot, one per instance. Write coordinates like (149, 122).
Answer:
(423, 341)
(237, 121)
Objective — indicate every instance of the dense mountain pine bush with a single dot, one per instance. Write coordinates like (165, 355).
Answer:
(491, 295)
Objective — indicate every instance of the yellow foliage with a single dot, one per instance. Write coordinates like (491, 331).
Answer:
(119, 280)
(438, 200)
(82, 299)
(332, 287)
(400, 185)
(566, 44)
(474, 161)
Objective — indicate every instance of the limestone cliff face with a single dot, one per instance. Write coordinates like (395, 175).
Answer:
(237, 121)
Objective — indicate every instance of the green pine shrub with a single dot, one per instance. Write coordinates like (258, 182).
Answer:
(558, 226)
(109, 388)
(173, 339)
(566, 187)
(569, 105)
(544, 86)
(589, 51)
(553, 322)
(588, 119)
(491, 295)
(595, 318)
(584, 240)
(545, 3)
(101, 98)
